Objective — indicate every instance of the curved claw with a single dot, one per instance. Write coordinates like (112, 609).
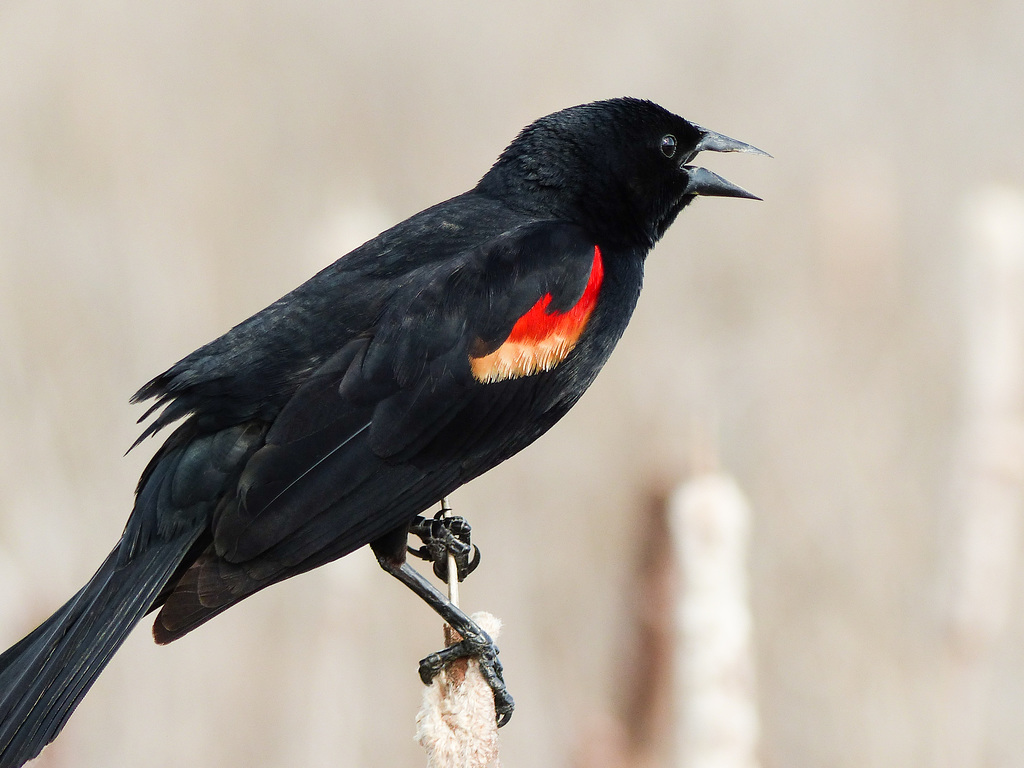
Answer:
(483, 649)
(504, 714)
(430, 667)
(444, 536)
(467, 565)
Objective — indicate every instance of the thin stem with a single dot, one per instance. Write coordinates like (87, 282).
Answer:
(453, 570)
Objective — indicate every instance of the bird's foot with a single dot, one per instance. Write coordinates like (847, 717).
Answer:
(442, 536)
(482, 648)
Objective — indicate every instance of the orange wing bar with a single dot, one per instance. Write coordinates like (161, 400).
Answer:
(540, 340)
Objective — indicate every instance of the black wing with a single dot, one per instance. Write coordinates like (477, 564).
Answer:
(394, 420)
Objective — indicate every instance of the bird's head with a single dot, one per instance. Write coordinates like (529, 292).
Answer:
(622, 168)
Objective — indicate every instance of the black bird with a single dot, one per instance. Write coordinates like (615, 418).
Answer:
(335, 416)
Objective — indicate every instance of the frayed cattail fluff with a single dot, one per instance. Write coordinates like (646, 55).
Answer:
(456, 724)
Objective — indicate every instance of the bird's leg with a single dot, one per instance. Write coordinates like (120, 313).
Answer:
(444, 536)
(475, 641)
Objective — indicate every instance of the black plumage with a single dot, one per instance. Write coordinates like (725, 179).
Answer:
(413, 364)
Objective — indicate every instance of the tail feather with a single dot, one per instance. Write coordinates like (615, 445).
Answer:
(45, 675)
(13, 661)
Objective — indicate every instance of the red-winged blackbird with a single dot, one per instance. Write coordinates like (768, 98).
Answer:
(335, 416)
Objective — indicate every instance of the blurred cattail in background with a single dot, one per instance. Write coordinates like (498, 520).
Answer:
(984, 559)
(716, 699)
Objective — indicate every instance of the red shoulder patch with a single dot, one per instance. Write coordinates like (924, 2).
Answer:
(540, 340)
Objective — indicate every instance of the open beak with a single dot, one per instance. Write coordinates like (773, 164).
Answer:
(716, 142)
(704, 182)
(707, 184)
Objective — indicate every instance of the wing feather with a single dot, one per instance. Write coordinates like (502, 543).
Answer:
(393, 420)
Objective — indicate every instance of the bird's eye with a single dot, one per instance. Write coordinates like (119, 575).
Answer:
(668, 145)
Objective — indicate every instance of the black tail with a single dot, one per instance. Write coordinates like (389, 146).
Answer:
(45, 675)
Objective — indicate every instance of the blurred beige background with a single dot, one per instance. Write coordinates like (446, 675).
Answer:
(848, 350)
